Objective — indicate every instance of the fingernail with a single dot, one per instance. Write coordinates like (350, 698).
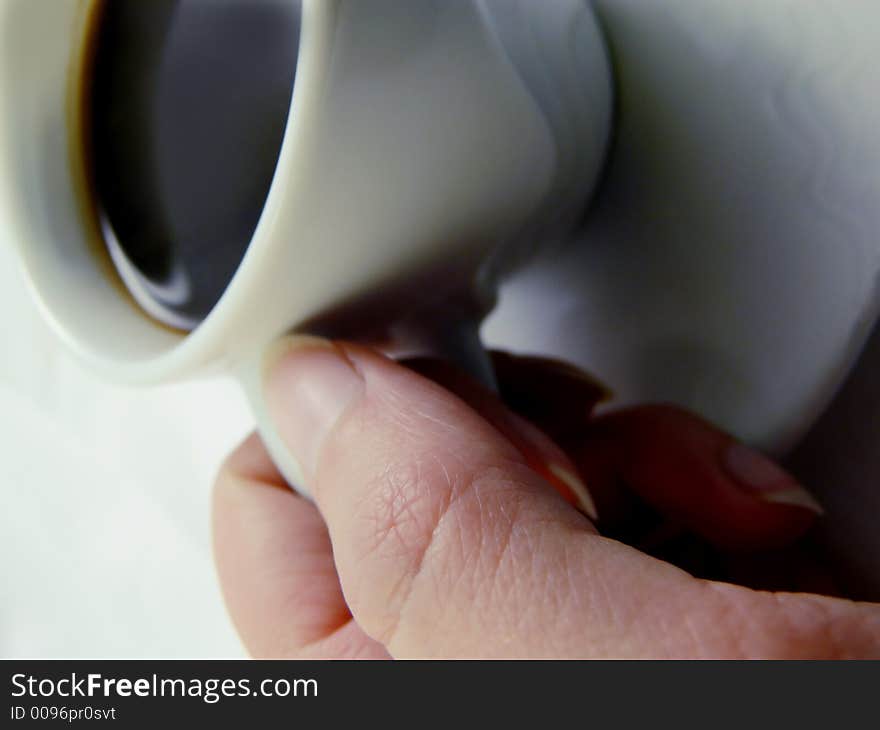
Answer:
(549, 461)
(575, 484)
(557, 396)
(309, 385)
(764, 479)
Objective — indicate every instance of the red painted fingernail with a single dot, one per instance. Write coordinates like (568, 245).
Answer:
(762, 478)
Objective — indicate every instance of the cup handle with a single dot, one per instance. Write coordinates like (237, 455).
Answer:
(252, 376)
(447, 337)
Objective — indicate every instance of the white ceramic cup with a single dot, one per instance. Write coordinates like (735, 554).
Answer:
(427, 142)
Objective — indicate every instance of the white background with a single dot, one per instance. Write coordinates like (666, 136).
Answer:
(731, 259)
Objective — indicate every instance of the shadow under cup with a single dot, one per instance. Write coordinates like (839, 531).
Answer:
(141, 142)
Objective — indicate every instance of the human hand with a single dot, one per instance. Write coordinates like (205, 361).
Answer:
(437, 531)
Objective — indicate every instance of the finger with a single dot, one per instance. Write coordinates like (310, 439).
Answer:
(276, 567)
(560, 398)
(401, 467)
(557, 397)
(672, 460)
(447, 543)
(539, 452)
(696, 475)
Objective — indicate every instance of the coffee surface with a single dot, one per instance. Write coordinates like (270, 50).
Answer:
(186, 110)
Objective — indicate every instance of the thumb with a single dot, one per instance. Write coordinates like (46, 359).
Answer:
(447, 542)
(429, 507)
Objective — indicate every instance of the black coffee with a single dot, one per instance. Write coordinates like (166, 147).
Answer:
(186, 112)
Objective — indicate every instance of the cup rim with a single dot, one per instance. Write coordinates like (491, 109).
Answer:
(303, 121)
(210, 341)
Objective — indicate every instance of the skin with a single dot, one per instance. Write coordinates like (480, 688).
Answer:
(438, 530)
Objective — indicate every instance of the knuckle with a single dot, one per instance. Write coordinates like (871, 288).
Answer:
(229, 467)
(430, 532)
(398, 521)
(405, 507)
(248, 462)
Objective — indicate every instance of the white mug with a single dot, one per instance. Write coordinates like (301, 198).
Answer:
(428, 143)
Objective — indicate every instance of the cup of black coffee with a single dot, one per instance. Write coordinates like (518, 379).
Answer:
(187, 180)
